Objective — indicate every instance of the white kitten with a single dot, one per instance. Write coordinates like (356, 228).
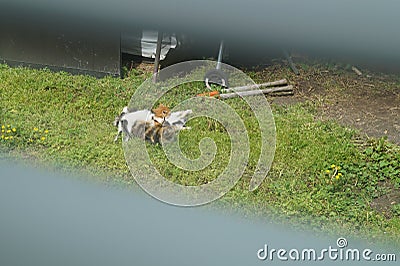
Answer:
(178, 119)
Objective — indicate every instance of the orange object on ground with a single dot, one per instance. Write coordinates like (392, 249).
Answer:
(210, 94)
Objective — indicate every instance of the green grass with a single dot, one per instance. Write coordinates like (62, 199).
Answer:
(66, 121)
(76, 110)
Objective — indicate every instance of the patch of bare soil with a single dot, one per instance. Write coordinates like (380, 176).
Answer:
(138, 63)
(369, 103)
(384, 203)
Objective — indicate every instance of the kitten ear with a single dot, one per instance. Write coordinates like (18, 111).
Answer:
(159, 107)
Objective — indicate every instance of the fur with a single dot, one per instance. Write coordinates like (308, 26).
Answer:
(154, 133)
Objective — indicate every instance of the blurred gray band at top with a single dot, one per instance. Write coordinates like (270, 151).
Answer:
(364, 28)
(47, 219)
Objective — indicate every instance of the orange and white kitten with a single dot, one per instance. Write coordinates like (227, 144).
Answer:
(152, 130)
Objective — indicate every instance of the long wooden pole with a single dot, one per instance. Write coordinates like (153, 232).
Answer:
(256, 86)
(256, 92)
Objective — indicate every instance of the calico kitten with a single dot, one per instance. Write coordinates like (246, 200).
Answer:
(160, 114)
(152, 130)
(161, 133)
(165, 132)
(154, 133)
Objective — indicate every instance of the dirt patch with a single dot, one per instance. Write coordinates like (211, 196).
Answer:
(140, 64)
(385, 203)
(369, 103)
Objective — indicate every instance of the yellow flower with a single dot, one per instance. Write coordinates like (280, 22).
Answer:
(46, 131)
(14, 129)
(35, 129)
(339, 174)
(2, 136)
(2, 131)
(2, 126)
(8, 126)
(333, 166)
(11, 137)
(6, 138)
(8, 131)
(328, 171)
(30, 140)
(42, 138)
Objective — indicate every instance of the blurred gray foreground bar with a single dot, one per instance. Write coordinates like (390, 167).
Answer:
(47, 219)
(354, 31)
